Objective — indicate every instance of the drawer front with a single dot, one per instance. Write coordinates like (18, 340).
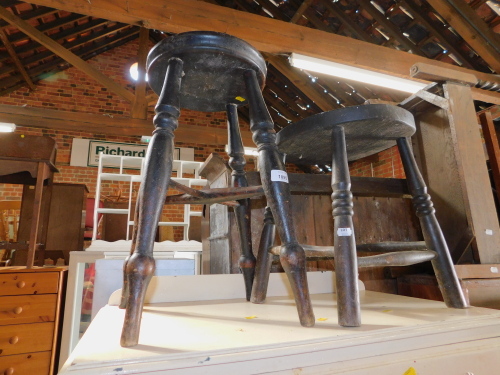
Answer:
(26, 338)
(12, 284)
(27, 309)
(25, 364)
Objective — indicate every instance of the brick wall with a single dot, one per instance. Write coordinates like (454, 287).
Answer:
(385, 164)
(72, 90)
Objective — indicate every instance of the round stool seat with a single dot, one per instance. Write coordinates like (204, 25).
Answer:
(368, 129)
(213, 68)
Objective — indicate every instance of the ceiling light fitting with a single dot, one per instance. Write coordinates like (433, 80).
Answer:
(7, 127)
(356, 74)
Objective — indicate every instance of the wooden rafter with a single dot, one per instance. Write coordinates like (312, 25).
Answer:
(15, 59)
(471, 28)
(41, 71)
(70, 57)
(38, 57)
(354, 28)
(100, 124)
(300, 12)
(265, 34)
(389, 27)
(57, 36)
(438, 34)
(494, 110)
(298, 79)
(37, 12)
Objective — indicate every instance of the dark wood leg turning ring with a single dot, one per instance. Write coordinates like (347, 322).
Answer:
(443, 265)
(237, 163)
(140, 265)
(277, 191)
(346, 263)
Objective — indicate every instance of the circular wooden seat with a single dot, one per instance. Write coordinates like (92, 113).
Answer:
(214, 64)
(368, 129)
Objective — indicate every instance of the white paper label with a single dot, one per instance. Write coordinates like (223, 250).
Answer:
(344, 232)
(277, 175)
(489, 232)
(494, 269)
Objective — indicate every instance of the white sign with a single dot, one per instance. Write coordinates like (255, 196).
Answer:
(344, 232)
(277, 175)
(85, 152)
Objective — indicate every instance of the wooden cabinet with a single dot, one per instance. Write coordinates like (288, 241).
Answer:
(30, 306)
(63, 230)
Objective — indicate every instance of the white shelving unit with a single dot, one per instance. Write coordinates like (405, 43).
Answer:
(125, 164)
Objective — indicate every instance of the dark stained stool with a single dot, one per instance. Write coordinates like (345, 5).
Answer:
(344, 135)
(207, 71)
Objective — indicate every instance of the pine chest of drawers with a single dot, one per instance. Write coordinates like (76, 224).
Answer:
(30, 306)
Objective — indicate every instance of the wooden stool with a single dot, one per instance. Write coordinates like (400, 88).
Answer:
(208, 71)
(338, 137)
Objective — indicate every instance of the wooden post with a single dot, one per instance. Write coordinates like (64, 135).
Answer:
(474, 179)
(37, 204)
(438, 164)
(492, 146)
(452, 154)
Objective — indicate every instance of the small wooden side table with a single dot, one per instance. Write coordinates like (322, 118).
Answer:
(28, 160)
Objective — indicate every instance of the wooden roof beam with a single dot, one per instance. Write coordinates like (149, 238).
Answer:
(471, 28)
(265, 34)
(390, 28)
(424, 19)
(354, 28)
(37, 57)
(297, 78)
(494, 110)
(295, 93)
(65, 54)
(65, 33)
(16, 60)
(300, 12)
(101, 124)
(41, 71)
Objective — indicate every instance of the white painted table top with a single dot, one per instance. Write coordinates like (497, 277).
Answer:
(399, 335)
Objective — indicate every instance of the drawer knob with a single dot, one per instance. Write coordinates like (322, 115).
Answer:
(9, 371)
(18, 310)
(21, 284)
(13, 340)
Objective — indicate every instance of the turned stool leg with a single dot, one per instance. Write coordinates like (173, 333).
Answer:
(264, 259)
(125, 291)
(443, 265)
(237, 163)
(277, 191)
(346, 261)
(158, 168)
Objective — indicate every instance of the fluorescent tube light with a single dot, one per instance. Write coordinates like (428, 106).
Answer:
(356, 74)
(7, 127)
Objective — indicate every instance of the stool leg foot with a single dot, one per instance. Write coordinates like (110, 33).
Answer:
(157, 170)
(237, 163)
(277, 190)
(125, 290)
(264, 259)
(443, 265)
(346, 262)
(140, 269)
(293, 261)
